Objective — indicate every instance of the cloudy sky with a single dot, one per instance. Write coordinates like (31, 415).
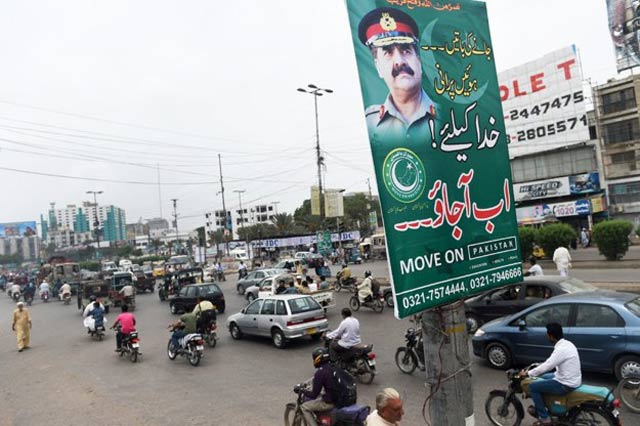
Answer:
(118, 94)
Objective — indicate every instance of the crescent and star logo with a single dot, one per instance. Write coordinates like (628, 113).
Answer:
(404, 175)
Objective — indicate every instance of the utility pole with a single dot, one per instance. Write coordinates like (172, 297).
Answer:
(317, 91)
(96, 221)
(240, 192)
(448, 367)
(175, 222)
(159, 191)
(224, 209)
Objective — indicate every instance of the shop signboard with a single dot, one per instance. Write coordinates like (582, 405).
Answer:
(585, 183)
(439, 147)
(334, 202)
(543, 102)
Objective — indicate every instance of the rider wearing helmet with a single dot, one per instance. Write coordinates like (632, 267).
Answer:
(365, 288)
(321, 380)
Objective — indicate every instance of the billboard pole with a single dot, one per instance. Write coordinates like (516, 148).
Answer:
(447, 362)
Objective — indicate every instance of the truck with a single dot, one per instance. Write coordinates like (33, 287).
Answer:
(59, 270)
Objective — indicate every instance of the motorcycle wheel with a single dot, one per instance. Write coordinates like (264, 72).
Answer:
(171, 352)
(100, 337)
(628, 391)
(365, 374)
(590, 416)
(354, 303)
(211, 340)
(378, 306)
(293, 417)
(133, 356)
(500, 414)
(194, 358)
(338, 286)
(406, 360)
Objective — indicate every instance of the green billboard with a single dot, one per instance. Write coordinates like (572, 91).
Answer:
(437, 136)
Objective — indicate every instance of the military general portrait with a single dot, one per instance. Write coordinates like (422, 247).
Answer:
(392, 39)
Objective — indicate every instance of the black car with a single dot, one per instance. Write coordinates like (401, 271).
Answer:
(185, 300)
(514, 298)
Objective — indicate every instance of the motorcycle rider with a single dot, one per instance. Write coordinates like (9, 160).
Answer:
(345, 274)
(365, 288)
(127, 293)
(96, 311)
(205, 313)
(187, 324)
(127, 322)
(566, 378)
(242, 270)
(44, 287)
(322, 379)
(346, 336)
(14, 289)
(29, 290)
(64, 290)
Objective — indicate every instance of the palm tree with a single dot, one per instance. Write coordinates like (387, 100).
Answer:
(283, 222)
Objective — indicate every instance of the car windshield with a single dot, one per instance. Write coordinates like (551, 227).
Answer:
(572, 285)
(270, 272)
(303, 304)
(634, 306)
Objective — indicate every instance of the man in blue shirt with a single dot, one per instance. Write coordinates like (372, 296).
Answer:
(321, 380)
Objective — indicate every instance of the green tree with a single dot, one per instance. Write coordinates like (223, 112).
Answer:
(550, 237)
(612, 238)
(257, 231)
(527, 237)
(283, 223)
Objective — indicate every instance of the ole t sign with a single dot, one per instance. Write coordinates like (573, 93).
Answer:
(437, 137)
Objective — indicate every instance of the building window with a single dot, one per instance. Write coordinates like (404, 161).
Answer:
(623, 157)
(622, 193)
(622, 131)
(619, 101)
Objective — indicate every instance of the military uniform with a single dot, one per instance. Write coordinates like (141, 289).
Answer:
(387, 126)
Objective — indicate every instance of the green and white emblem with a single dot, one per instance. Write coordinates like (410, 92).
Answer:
(403, 175)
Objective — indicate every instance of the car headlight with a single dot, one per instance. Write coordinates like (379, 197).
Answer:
(479, 333)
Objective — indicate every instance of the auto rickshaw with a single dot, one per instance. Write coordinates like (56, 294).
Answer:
(175, 281)
(116, 282)
(97, 288)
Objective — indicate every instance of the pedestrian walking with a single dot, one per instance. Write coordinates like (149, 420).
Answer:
(21, 324)
(562, 259)
(584, 238)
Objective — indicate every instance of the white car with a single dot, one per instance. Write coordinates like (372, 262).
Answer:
(281, 317)
(302, 255)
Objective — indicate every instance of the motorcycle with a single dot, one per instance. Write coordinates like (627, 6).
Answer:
(191, 346)
(352, 415)
(375, 302)
(66, 298)
(210, 334)
(130, 346)
(97, 332)
(412, 355)
(220, 276)
(44, 296)
(15, 296)
(242, 273)
(349, 283)
(28, 298)
(359, 361)
(587, 405)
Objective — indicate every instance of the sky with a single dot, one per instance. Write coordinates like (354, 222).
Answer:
(122, 94)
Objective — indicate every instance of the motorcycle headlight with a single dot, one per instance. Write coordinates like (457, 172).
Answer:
(479, 333)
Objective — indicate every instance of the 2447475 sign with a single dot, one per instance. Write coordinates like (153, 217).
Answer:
(439, 147)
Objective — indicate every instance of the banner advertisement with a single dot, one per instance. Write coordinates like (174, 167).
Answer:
(439, 147)
(315, 201)
(542, 212)
(305, 240)
(17, 229)
(598, 204)
(543, 102)
(624, 24)
(585, 183)
(323, 240)
(334, 202)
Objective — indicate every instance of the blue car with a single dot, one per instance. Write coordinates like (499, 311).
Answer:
(604, 326)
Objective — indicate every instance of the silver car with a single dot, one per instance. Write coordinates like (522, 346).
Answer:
(282, 318)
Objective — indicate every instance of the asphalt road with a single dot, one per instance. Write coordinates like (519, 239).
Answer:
(68, 379)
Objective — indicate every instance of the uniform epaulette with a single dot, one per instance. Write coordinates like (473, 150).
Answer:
(373, 109)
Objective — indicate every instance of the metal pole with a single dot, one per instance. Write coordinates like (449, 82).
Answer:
(318, 156)
(159, 190)
(175, 222)
(446, 350)
(224, 208)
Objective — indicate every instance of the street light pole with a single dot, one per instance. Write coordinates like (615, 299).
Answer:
(317, 91)
(175, 222)
(96, 222)
(240, 192)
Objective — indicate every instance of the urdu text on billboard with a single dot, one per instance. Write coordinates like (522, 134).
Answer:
(17, 229)
(439, 147)
(624, 26)
(543, 103)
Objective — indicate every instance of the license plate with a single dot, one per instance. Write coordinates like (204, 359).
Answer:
(135, 345)
(200, 347)
(372, 363)
(311, 331)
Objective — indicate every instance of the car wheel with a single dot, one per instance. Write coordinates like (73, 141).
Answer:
(235, 331)
(473, 323)
(498, 356)
(278, 339)
(627, 366)
(173, 308)
(240, 289)
(251, 297)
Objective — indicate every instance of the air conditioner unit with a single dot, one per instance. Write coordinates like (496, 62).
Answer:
(618, 208)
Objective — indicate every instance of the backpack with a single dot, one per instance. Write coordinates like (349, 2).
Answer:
(344, 388)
